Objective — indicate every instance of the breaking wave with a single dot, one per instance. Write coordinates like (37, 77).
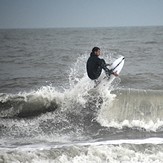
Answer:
(105, 105)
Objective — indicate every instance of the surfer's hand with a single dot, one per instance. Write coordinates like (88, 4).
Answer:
(115, 73)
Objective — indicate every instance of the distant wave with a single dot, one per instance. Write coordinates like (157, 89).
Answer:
(151, 42)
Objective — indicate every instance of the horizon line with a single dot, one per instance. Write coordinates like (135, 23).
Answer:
(80, 27)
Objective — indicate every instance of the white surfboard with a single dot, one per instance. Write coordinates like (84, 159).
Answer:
(116, 66)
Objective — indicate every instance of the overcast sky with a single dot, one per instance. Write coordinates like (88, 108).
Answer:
(80, 13)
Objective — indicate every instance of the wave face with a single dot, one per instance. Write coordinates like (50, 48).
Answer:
(134, 108)
(25, 105)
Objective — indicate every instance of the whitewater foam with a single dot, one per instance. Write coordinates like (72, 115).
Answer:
(129, 151)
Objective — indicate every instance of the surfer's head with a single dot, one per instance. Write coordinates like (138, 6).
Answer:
(96, 51)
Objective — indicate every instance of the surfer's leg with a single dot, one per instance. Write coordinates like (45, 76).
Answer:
(98, 72)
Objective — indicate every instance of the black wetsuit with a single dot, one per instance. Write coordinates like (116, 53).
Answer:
(95, 66)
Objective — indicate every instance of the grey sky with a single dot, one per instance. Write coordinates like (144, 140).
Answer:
(80, 13)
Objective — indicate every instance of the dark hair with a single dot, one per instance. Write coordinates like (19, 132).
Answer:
(95, 49)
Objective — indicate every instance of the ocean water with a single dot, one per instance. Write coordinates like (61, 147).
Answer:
(51, 112)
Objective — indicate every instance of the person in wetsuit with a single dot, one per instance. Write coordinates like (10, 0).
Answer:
(95, 65)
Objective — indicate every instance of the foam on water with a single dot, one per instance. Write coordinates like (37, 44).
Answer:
(121, 151)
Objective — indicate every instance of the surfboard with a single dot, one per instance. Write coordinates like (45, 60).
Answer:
(116, 67)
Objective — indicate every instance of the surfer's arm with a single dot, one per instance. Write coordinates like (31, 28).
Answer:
(108, 64)
(103, 65)
(109, 71)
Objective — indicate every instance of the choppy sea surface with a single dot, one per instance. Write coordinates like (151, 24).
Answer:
(51, 112)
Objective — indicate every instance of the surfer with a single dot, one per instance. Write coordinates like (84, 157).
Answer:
(95, 65)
